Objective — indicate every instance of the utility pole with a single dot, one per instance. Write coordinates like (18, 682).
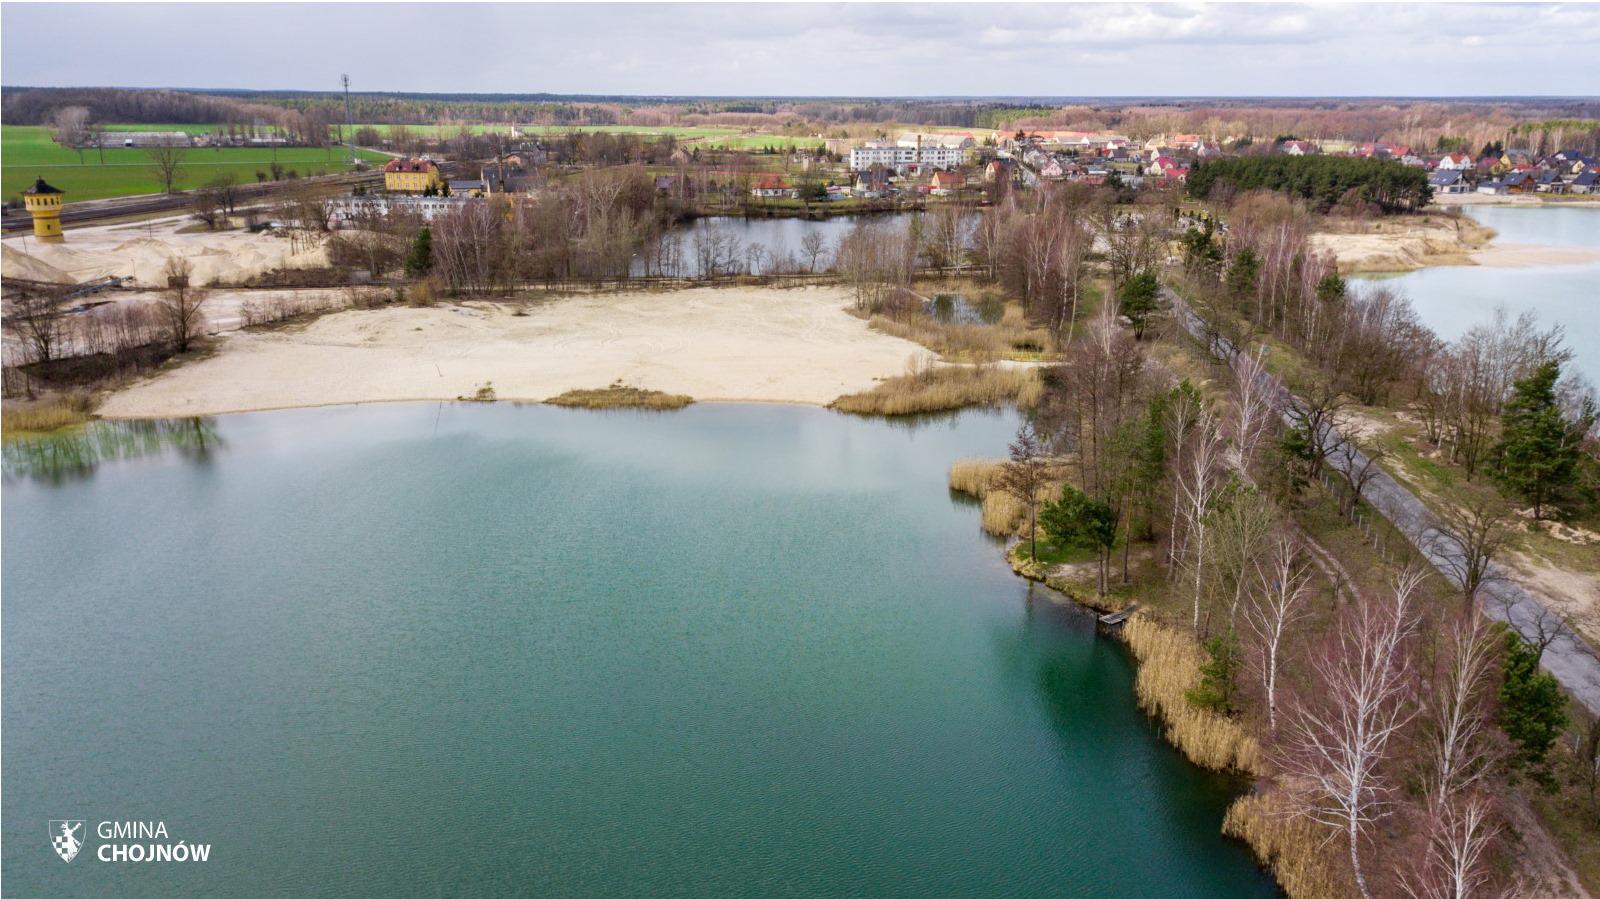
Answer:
(349, 135)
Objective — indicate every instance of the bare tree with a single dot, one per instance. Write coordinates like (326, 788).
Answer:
(164, 164)
(179, 308)
(1455, 865)
(1358, 462)
(1456, 715)
(1199, 478)
(1283, 581)
(1024, 476)
(1474, 533)
(814, 246)
(34, 318)
(1255, 394)
(207, 209)
(1340, 733)
(70, 128)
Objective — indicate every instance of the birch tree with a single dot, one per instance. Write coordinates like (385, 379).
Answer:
(1199, 471)
(1283, 581)
(1340, 734)
(1255, 400)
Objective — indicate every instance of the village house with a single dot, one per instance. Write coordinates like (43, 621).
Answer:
(1455, 162)
(411, 176)
(947, 183)
(1297, 148)
(1447, 181)
(772, 187)
(502, 178)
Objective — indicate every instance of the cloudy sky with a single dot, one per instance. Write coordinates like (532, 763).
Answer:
(916, 49)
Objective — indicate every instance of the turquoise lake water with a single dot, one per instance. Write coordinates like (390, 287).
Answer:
(1452, 299)
(485, 649)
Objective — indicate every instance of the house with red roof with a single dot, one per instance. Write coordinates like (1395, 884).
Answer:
(772, 187)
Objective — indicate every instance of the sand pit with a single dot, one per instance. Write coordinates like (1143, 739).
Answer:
(752, 344)
(1401, 243)
(141, 251)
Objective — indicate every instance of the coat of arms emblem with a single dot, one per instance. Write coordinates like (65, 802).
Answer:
(65, 840)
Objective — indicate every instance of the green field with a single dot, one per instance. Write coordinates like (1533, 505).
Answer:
(682, 132)
(762, 141)
(27, 152)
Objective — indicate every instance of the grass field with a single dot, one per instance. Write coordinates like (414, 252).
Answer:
(761, 142)
(27, 152)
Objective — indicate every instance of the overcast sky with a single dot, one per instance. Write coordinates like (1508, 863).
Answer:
(918, 49)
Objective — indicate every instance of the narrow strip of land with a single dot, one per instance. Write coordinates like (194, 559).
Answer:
(1568, 656)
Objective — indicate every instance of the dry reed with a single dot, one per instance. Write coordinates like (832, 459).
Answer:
(1169, 667)
(975, 477)
(45, 415)
(1292, 847)
(621, 396)
(930, 388)
(1011, 337)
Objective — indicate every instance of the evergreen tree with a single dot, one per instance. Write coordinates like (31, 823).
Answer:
(420, 262)
(1538, 452)
(1218, 674)
(1242, 275)
(1075, 520)
(1139, 298)
(1533, 713)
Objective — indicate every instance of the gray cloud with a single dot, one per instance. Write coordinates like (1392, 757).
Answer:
(835, 49)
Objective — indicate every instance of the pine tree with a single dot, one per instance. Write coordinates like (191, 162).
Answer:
(420, 262)
(1075, 520)
(1533, 712)
(1538, 452)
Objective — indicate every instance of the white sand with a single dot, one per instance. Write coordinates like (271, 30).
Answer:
(1401, 243)
(1520, 255)
(712, 344)
(141, 251)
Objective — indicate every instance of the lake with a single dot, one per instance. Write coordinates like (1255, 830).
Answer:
(750, 244)
(426, 649)
(1452, 299)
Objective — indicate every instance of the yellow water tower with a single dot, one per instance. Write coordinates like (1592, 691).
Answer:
(44, 203)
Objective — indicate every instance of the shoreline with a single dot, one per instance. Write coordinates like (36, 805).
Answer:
(797, 345)
(1405, 244)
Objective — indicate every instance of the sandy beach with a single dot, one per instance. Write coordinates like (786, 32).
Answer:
(758, 344)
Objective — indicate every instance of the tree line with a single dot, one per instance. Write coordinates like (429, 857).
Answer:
(1325, 182)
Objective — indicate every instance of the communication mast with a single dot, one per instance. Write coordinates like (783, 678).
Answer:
(349, 129)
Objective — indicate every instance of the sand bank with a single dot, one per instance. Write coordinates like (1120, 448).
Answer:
(712, 344)
(1401, 243)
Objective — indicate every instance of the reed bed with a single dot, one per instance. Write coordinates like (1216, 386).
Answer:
(1169, 667)
(621, 396)
(1003, 513)
(1009, 338)
(929, 388)
(45, 415)
(1293, 848)
(975, 477)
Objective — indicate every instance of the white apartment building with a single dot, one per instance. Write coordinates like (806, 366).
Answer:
(899, 157)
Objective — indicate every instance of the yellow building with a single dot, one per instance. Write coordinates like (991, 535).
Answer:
(44, 203)
(411, 176)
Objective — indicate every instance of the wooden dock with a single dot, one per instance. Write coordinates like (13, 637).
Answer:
(1115, 618)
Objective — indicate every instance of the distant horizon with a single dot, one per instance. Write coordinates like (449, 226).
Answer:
(669, 98)
(787, 50)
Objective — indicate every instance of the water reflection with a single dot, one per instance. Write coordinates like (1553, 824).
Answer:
(953, 308)
(75, 454)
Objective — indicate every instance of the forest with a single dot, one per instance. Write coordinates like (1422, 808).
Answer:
(1325, 182)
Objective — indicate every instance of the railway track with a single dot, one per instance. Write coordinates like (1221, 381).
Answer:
(16, 221)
